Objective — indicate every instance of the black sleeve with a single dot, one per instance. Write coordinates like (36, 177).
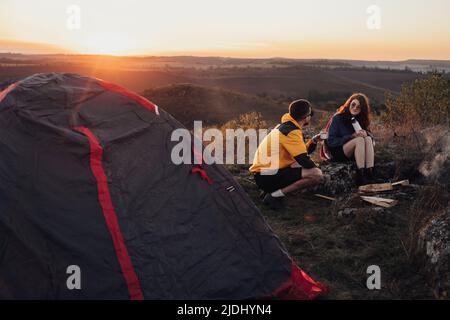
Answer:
(311, 146)
(305, 161)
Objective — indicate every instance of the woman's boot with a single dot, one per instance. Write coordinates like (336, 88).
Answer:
(372, 176)
(360, 178)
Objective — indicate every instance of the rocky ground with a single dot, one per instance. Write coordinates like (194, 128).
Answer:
(335, 241)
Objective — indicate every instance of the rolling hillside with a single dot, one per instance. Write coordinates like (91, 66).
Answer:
(279, 83)
(214, 106)
(326, 83)
(221, 89)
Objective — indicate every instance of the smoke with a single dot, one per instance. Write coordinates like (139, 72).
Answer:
(433, 167)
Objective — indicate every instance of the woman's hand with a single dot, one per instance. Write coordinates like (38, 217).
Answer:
(361, 133)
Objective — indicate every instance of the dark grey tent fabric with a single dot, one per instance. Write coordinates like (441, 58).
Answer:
(167, 234)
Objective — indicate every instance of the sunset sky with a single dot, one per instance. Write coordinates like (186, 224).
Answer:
(237, 28)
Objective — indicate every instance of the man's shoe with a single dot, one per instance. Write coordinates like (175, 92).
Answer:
(274, 203)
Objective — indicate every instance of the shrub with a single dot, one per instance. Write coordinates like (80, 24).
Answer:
(422, 103)
(320, 121)
(252, 120)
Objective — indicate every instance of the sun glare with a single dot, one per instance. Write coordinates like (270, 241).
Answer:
(106, 44)
(326, 29)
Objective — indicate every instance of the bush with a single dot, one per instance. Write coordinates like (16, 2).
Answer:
(421, 104)
(320, 121)
(252, 120)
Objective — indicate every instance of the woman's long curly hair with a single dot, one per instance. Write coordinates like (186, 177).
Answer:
(364, 116)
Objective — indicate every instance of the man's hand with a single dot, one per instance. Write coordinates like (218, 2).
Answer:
(316, 138)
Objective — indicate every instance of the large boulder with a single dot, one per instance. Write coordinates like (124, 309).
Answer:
(434, 242)
(339, 178)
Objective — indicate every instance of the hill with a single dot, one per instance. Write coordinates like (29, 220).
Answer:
(327, 83)
(214, 106)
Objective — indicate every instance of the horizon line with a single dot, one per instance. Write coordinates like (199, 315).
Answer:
(193, 55)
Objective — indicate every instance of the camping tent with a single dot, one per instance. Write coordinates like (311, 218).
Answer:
(88, 190)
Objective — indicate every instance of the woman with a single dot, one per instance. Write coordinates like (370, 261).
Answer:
(349, 138)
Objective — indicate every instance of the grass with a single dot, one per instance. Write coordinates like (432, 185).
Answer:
(429, 201)
(337, 252)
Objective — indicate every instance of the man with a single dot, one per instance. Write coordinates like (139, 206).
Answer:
(282, 163)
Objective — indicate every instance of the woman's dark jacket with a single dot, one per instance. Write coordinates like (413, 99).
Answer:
(341, 130)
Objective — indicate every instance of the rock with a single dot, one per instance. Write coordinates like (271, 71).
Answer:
(399, 195)
(338, 178)
(346, 212)
(434, 242)
(349, 207)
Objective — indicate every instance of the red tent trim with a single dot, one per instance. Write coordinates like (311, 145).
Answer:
(130, 94)
(7, 90)
(104, 196)
(299, 286)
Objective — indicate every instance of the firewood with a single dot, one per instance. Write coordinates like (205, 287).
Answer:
(401, 183)
(324, 197)
(378, 187)
(382, 202)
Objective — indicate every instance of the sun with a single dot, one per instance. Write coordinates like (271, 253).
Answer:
(107, 44)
